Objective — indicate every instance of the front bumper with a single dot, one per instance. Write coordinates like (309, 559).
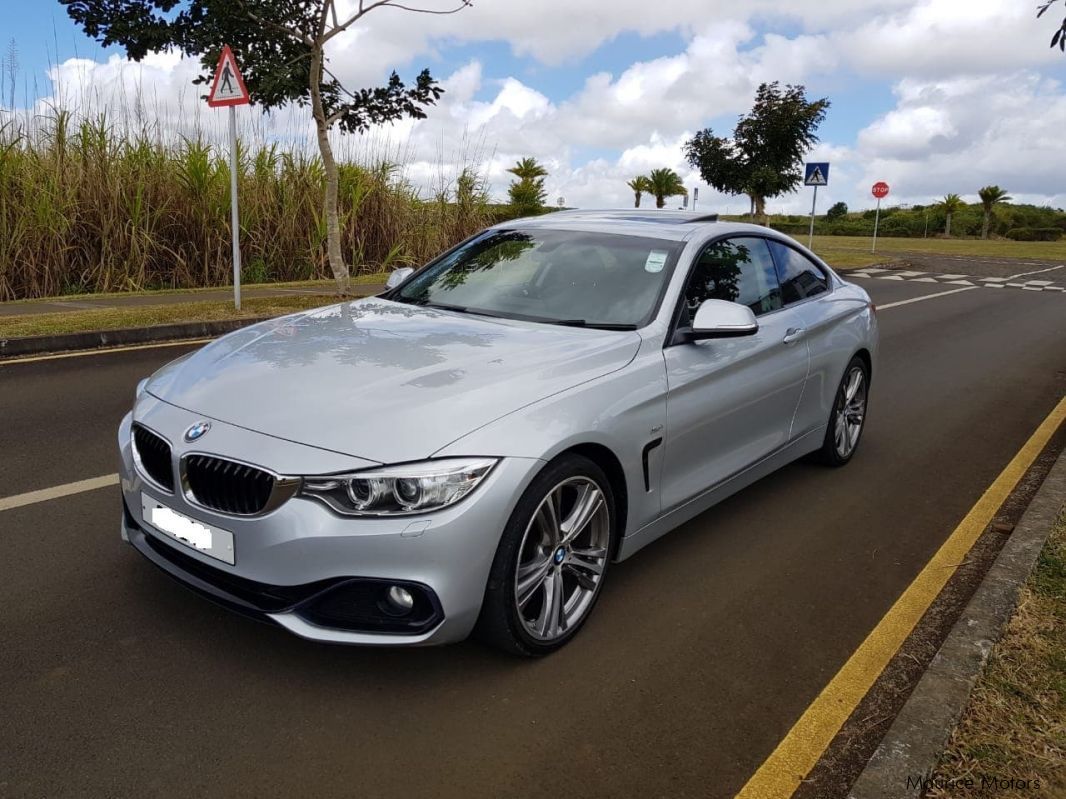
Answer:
(299, 565)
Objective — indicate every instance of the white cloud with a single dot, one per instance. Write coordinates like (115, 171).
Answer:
(968, 132)
(941, 38)
(971, 106)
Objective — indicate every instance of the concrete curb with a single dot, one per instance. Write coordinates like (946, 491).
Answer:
(911, 748)
(66, 342)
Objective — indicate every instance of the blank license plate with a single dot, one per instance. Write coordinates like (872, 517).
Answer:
(212, 541)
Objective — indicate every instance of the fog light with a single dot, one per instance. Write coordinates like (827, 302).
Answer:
(401, 599)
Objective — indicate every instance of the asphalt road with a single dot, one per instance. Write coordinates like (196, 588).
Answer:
(705, 648)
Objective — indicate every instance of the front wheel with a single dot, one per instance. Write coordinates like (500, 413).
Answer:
(551, 561)
(848, 416)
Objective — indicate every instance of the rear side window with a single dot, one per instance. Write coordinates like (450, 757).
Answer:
(738, 270)
(800, 277)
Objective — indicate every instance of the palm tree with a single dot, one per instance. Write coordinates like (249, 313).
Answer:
(528, 169)
(665, 183)
(990, 195)
(949, 205)
(640, 186)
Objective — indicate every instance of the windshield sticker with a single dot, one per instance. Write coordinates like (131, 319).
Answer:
(656, 261)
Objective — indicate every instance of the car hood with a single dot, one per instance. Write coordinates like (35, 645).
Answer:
(384, 381)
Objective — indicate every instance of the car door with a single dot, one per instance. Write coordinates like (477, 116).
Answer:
(804, 290)
(731, 401)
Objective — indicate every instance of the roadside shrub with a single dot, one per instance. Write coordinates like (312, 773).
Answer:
(837, 211)
(93, 206)
(795, 229)
(1035, 234)
(902, 225)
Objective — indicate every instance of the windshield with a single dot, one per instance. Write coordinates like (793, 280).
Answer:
(564, 277)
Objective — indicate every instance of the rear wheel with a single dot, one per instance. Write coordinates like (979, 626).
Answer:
(848, 417)
(551, 561)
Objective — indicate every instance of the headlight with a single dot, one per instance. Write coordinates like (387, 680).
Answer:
(399, 490)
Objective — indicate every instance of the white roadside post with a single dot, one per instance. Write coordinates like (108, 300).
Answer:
(879, 190)
(228, 89)
(816, 174)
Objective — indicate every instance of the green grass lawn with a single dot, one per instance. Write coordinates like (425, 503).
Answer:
(146, 315)
(855, 250)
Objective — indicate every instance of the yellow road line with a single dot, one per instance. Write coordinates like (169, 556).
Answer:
(781, 773)
(30, 359)
(55, 492)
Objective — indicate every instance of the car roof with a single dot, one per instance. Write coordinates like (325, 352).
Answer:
(649, 223)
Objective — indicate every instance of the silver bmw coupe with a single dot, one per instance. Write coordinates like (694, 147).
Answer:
(472, 449)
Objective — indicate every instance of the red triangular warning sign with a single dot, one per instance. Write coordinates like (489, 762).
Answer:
(228, 86)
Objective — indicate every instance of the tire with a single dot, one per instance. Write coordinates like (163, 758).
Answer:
(847, 420)
(541, 556)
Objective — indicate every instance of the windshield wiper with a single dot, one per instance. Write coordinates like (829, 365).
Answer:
(443, 306)
(593, 325)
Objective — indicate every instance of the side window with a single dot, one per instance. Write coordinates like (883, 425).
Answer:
(738, 270)
(800, 278)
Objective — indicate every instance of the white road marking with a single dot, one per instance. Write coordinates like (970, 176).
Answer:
(1037, 271)
(924, 298)
(55, 492)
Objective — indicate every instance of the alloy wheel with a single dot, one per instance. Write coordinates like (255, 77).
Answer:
(850, 411)
(561, 558)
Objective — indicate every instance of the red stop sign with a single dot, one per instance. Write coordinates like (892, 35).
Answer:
(880, 190)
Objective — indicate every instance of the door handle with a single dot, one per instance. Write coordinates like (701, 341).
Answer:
(794, 334)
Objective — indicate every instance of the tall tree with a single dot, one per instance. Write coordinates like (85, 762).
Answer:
(527, 193)
(764, 157)
(663, 183)
(990, 196)
(837, 211)
(1059, 37)
(281, 48)
(640, 185)
(950, 205)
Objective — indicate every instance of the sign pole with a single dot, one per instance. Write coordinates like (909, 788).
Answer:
(879, 191)
(228, 89)
(815, 174)
(235, 224)
(814, 203)
(877, 221)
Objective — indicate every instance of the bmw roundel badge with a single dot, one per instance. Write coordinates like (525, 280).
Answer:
(197, 431)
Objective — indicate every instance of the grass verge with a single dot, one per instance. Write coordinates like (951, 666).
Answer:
(888, 247)
(844, 257)
(1011, 740)
(146, 315)
(325, 286)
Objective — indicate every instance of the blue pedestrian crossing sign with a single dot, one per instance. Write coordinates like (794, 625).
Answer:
(817, 174)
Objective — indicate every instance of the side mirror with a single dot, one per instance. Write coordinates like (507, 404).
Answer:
(721, 319)
(398, 276)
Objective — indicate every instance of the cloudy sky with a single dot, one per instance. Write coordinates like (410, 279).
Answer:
(932, 96)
